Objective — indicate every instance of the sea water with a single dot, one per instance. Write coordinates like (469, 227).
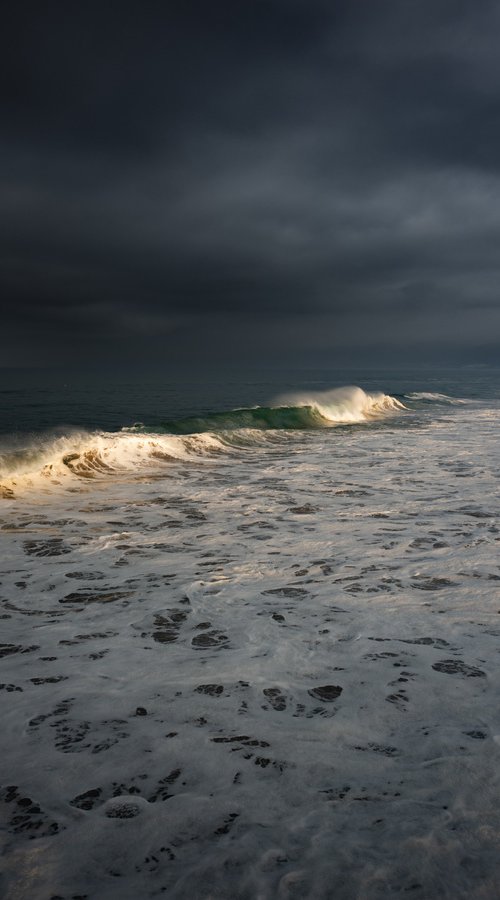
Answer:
(250, 636)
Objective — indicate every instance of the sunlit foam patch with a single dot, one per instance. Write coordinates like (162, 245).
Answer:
(86, 464)
(344, 405)
(93, 455)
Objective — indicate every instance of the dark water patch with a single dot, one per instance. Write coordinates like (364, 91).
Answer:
(162, 791)
(489, 576)
(213, 690)
(50, 679)
(10, 688)
(333, 794)
(477, 513)
(398, 699)
(301, 711)
(70, 736)
(210, 640)
(384, 750)
(50, 547)
(10, 649)
(167, 625)
(77, 736)
(389, 583)
(227, 825)
(242, 739)
(456, 667)
(476, 735)
(292, 592)
(53, 613)
(373, 656)
(98, 654)
(352, 492)
(420, 542)
(34, 520)
(88, 799)
(85, 576)
(326, 692)
(439, 643)
(216, 562)
(25, 816)
(166, 635)
(306, 510)
(61, 709)
(119, 788)
(117, 734)
(85, 597)
(427, 583)
(195, 514)
(78, 638)
(258, 523)
(275, 698)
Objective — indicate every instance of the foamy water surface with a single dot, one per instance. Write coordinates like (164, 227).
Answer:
(255, 662)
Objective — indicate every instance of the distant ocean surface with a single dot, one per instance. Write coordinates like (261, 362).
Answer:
(250, 634)
(37, 400)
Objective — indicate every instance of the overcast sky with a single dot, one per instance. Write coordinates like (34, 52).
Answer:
(250, 181)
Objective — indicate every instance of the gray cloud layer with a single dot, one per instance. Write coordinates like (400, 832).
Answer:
(308, 180)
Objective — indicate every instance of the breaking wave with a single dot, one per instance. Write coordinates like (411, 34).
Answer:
(291, 412)
(52, 459)
(431, 397)
(87, 455)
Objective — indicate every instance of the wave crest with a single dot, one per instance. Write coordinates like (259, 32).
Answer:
(345, 405)
(291, 412)
(52, 459)
(88, 455)
(434, 397)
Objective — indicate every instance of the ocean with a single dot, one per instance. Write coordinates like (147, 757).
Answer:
(250, 635)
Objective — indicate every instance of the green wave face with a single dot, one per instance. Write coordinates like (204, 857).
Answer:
(290, 418)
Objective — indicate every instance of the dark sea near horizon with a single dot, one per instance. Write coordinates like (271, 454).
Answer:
(38, 400)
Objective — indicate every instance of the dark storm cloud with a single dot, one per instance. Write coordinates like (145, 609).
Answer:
(232, 179)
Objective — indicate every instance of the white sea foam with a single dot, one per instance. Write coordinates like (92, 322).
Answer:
(88, 455)
(344, 405)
